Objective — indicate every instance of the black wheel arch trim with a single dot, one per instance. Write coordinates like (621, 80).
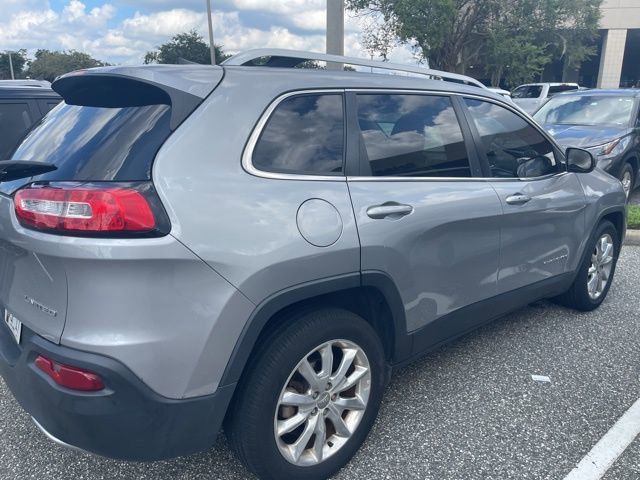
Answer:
(269, 307)
(608, 211)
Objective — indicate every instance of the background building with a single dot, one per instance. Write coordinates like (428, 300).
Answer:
(617, 62)
(620, 49)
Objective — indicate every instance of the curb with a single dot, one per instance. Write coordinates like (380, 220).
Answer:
(632, 238)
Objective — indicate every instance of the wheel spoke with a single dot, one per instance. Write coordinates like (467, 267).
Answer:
(321, 438)
(602, 281)
(338, 423)
(326, 355)
(290, 424)
(601, 247)
(297, 399)
(300, 444)
(593, 283)
(351, 380)
(309, 374)
(354, 403)
(347, 359)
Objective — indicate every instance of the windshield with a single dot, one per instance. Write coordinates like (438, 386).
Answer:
(590, 110)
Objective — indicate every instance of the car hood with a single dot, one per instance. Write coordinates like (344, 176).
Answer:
(585, 136)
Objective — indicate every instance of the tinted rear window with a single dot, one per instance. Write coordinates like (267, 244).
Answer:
(95, 144)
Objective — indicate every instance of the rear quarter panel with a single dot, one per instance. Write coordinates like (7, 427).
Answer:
(244, 226)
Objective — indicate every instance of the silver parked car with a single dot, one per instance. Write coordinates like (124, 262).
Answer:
(187, 246)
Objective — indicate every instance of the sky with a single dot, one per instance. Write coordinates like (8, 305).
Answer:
(122, 31)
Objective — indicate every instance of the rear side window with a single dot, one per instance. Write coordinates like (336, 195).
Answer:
(411, 136)
(512, 147)
(15, 121)
(304, 135)
(95, 143)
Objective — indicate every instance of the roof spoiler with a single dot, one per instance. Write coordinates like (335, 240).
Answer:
(182, 87)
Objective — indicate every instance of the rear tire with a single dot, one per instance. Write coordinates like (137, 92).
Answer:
(596, 272)
(274, 391)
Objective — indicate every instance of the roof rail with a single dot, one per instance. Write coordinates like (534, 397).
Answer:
(25, 83)
(291, 58)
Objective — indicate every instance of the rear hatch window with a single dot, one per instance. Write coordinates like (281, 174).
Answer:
(88, 143)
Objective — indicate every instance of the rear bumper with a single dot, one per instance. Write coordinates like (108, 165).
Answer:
(126, 420)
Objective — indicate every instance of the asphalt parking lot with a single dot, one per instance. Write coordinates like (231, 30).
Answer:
(467, 411)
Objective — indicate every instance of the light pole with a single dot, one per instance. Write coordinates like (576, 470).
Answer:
(335, 31)
(213, 48)
(13, 77)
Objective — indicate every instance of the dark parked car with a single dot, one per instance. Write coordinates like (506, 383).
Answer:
(605, 122)
(22, 104)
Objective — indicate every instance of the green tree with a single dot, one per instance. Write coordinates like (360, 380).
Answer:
(189, 46)
(18, 59)
(49, 64)
(510, 40)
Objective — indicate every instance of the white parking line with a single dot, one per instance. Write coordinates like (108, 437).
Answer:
(604, 454)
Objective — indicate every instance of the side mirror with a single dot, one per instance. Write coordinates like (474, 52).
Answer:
(580, 161)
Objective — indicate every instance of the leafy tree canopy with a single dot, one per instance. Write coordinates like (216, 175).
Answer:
(49, 64)
(512, 40)
(189, 46)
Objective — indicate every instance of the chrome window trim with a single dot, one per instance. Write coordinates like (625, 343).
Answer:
(247, 155)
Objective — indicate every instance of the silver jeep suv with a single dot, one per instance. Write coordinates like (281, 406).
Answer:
(183, 247)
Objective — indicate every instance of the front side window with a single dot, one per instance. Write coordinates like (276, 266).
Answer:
(304, 135)
(513, 147)
(15, 121)
(411, 136)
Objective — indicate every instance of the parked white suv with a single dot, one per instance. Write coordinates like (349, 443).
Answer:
(532, 96)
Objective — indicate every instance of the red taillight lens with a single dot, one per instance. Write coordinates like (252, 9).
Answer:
(86, 208)
(70, 377)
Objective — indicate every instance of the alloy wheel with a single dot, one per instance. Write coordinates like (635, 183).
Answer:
(322, 402)
(601, 266)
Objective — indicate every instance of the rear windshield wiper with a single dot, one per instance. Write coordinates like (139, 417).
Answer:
(16, 169)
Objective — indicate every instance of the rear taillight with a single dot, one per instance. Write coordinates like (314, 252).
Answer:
(70, 377)
(103, 209)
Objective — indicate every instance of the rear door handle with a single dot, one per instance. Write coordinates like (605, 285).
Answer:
(389, 210)
(518, 199)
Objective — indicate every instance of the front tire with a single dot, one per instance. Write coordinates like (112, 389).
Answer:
(627, 178)
(309, 398)
(596, 272)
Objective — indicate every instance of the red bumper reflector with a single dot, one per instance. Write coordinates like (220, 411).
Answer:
(70, 377)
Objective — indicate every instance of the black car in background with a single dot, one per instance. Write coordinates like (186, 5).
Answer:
(22, 104)
(605, 122)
